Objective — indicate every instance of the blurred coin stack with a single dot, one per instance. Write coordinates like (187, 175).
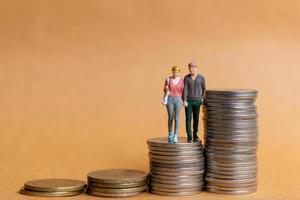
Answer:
(116, 182)
(231, 138)
(53, 187)
(175, 169)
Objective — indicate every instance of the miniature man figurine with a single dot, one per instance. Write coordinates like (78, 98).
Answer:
(193, 95)
(173, 92)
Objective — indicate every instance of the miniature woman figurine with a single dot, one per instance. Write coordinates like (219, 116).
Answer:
(173, 93)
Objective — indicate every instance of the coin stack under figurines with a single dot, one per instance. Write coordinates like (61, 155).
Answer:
(175, 169)
(53, 187)
(231, 138)
(116, 182)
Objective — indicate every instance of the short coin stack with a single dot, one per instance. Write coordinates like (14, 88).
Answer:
(53, 187)
(116, 182)
(175, 169)
(231, 138)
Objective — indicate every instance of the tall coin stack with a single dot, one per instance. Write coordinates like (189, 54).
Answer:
(116, 182)
(231, 138)
(175, 169)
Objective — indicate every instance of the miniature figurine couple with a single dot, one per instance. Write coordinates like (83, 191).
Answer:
(190, 92)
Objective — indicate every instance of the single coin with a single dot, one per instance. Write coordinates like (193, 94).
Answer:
(231, 177)
(176, 178)
(232, 92)
(231, 172)
(189, 189)
(49, 194)
(235, 181)
(117, 176)
(181, 165)
(116, 186)
(185, 161)
(179, 169)
(176, 149)
(177, 186)
(163, 142)
(233, 185)
(177, 153)
(175, 158)
(119, 190)
(176, 182)
(155, 171)
(55, 185)
(244, 168)
(227, 188)
(231, 164)
(189, 193)
(232, 192)
(95, 193)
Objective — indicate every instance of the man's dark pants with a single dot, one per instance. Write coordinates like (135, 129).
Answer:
(192, 110)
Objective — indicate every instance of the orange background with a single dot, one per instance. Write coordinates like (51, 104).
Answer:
(81, 82)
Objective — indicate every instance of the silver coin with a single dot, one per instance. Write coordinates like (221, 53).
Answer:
(189, 193)
(230, 172)
(250, 151)
(232, 137)
(154, 171)
(231, 147)
(176, 182)
(100, 194)
(228, 97)
(118, 190)
(232, 132)
(177, 153)
(232, 92)
(232, 192)
(211, 100)
(233, 185)
(227, 188)
(231, 164)
(175, 178)
(183, 161)
(163, 142)
(157, 188)
(222, 168)
(157, 164)
(179, 169)
(117, 186)
(230, 177)
(209, 120)
(177, 186)
(175, 158)
(176, 149)
(117, 176)
(233, 181)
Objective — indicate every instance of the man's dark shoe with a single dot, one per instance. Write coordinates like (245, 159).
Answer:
(196, 140)
(189, 141)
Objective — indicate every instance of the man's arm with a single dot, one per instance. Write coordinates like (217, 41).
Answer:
(203, 89)
(185, 89)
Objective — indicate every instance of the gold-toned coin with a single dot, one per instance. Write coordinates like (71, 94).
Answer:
(118, 185)
(186, 193)
(55, 185)
(115, 176)
(49, 194)
(119, 190)
(95, 193)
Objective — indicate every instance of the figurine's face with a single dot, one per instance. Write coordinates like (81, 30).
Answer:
(175, 73)
(192, 70)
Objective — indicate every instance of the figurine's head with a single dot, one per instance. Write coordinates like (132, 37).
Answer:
(192, 68)
(175, 70)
